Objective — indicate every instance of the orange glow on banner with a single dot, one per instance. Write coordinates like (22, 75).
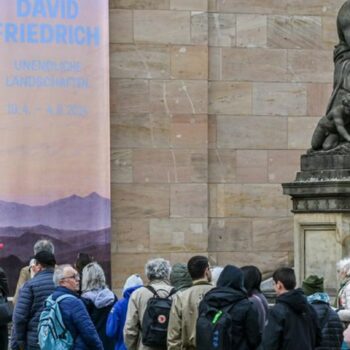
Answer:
(54, 130)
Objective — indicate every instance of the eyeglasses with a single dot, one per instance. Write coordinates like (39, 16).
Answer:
(75, 276)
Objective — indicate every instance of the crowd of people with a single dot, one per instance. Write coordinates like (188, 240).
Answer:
(180, 307)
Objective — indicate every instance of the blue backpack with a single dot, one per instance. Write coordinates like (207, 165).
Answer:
(52, 333)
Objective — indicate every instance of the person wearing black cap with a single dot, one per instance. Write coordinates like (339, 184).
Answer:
(31, 300)
(25, 275)
(331, 326)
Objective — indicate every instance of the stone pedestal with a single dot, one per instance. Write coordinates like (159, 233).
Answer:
(321, 207)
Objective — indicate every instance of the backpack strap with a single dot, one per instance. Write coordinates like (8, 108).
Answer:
(172, 292)
(155, 293)
(152, 290)
(64, 296)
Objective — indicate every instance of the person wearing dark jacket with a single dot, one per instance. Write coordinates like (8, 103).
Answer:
(117, 315)
(292, 323)
(329, 322)
(74, 314)
(4, 292)
(252, 281)
(31, 301)
(230, 291)
(98, 299)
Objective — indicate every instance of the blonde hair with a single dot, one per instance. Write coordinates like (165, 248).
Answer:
(93, 277)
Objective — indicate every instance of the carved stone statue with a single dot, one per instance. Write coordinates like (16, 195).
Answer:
(333, 129)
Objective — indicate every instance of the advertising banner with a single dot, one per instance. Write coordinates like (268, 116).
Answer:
(54, 130)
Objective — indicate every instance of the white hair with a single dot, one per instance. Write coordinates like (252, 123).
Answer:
(44, 245)
(215, 274)
(344, 266)
(157, 269)
(93, 277)
(58, 274)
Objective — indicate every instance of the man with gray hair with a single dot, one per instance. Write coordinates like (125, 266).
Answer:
(31, 301)
(43, 245)
(157, 272)
(74, 314)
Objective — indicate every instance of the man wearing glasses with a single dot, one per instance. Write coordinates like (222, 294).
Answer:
(74, 314)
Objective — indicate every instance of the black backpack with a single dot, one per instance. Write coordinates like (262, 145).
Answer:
(214, 328)
(156, 318)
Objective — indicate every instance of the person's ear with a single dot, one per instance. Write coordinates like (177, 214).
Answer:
(208, 274)
(38, 267)
(279, 285)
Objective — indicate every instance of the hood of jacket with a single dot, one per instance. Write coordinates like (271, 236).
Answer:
(100, 297)
(318, 298)
(229, 288)
(220, 297)
(129, 291)
(179, 277)
(295, 299)
(231, 277)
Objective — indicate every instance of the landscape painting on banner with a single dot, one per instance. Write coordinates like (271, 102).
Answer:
(54, 130)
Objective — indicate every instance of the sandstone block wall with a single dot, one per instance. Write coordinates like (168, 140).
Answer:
(212, 103)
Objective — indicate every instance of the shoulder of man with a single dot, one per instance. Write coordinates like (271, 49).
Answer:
(279, 310)
(196, 291)
(160, 286)
(72, 303)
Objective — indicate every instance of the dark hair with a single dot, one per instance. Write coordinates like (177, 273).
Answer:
(286, 276)
(252, 279)
(196, 266)
(83, 259)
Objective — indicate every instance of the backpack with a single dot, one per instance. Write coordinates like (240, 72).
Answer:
(52, 333)
(155, 319)
(214, 328)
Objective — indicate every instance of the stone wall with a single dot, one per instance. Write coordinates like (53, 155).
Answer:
(212, 103)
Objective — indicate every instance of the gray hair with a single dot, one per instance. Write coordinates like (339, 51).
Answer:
(344, 266)
(58, 274)
(157, 269)
(93, 277)
(44, 245)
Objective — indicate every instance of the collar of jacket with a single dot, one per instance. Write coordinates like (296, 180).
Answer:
(44, 271)
(201, 282)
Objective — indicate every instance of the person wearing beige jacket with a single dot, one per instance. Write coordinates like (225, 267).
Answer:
(184, 309)
(157, 272)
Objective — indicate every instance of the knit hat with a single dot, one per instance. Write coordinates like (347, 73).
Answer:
(180, 278)
(45, 258)
(133, 281)
(313, 284)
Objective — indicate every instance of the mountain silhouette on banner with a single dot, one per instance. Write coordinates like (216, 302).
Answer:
(72, 213)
